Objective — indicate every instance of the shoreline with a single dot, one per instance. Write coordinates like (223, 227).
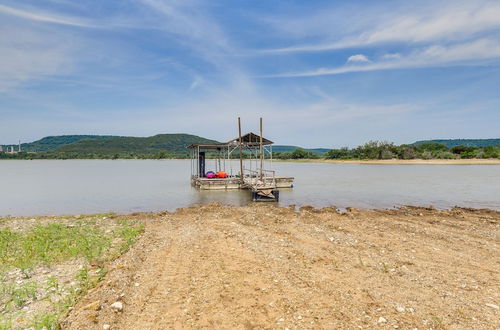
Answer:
(475, 161)
(399, 161)
(297, 208)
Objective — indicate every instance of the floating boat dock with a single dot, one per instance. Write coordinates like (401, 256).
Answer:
(244, 162)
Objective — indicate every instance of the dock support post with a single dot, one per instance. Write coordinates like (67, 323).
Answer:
(241, 151)
(261, 151)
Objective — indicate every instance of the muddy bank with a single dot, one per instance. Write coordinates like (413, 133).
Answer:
(269, 267)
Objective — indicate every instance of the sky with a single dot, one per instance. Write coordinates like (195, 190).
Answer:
(320, 73)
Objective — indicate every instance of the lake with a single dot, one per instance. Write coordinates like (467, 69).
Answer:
(60, 187)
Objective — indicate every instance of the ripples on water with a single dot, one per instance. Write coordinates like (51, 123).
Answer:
(123, 186)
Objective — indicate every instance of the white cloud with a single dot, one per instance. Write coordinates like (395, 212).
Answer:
(358, 58)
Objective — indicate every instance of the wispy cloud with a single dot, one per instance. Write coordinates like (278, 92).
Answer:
(45, 17)
(436, 55)
(449, 22)
(29, 54)
(188, 20)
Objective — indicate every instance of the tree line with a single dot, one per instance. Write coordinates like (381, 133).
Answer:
(367, 151)
(388, 150)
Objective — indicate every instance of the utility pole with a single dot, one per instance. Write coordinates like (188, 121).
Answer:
(19, 146)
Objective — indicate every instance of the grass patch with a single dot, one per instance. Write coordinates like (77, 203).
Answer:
(91, 241)
(45, 321)
(49, 244)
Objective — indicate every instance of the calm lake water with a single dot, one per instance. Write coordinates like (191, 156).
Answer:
(95, 186)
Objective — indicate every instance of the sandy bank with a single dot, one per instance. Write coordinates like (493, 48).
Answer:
(402, 161)
(266, 267)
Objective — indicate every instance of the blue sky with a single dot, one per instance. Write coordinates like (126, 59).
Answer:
(321, 73)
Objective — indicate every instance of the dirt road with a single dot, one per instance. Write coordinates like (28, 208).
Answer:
(266, 267)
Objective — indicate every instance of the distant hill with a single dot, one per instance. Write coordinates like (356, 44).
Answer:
(75, 146)
(463, 142)
(282, 148)
(171, 143)
(53, 142)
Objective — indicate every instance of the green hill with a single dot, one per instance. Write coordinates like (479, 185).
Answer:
(53, 142)
(282, 148)
(169, 143)
(463, 142)
(108, 146)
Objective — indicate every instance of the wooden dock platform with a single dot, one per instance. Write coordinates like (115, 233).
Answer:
(235, 183)
(255, 152)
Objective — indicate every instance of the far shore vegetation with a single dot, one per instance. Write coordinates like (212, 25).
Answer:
(373, 150)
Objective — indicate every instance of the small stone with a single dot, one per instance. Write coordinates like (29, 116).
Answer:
(117, 306)
(382, 320)
(493, 306)
(400, 309)
(106, 326)
(136, 284)
(93, 306)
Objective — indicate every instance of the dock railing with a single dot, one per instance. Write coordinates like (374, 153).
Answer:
(255, 180)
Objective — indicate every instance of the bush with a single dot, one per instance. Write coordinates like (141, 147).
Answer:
(342, 153)
(387, 154)
(445, 155)
(489, 152)
(426, 154)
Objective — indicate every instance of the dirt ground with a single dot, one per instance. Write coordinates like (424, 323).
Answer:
(275, 268)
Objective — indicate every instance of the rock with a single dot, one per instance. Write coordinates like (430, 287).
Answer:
(93, 306)
(117, 306)
(382, 320)
(400, 309)
(106, 326)
(493, 306)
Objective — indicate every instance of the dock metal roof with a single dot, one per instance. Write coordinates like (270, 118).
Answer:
(248, 140)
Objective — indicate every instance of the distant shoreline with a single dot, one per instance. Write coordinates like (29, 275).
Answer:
(325, 161)
(399, 161)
